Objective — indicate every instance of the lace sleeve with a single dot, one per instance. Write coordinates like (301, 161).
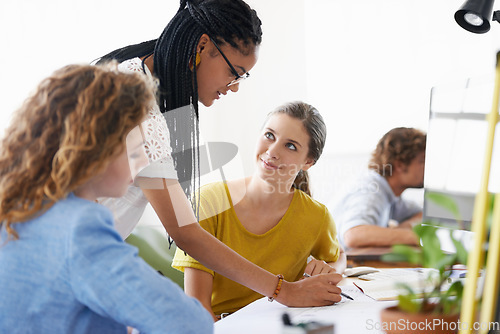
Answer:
(131, 65)
(156, 135)
(157, 146)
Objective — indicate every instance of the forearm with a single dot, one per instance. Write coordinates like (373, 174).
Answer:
(228, 263)
(201, 245)
(194, 240)
(376, 236)
(204, 247)
(410, 222)
(199, 284)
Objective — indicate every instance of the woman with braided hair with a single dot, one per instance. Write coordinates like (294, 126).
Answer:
(205, 51)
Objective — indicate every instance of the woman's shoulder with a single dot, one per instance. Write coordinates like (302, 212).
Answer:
(233, 190)
(72, 212)
(75, 207)
(131, 65)
(213, 191)
(308, 203)
(214, 199)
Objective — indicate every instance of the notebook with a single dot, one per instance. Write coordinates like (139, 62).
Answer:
(383, 285)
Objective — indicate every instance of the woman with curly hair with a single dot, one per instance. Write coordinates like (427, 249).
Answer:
(65, 269)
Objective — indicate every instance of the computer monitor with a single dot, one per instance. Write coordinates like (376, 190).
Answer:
(455, 155)
(456, 142)
(436, 213)
(447, 222)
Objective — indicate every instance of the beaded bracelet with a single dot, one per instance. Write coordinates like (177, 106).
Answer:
(278, 288)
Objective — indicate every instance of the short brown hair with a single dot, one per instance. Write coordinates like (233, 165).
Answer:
(399, 144)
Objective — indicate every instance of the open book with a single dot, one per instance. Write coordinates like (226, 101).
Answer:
(384, 285)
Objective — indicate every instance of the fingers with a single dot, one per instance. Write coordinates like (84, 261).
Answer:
(334, 289)
(316, 267)
(332, 296)
(332, 299)
(326, 290)
(332, 278)
(309, 268)
(318, 290)
(334, 293)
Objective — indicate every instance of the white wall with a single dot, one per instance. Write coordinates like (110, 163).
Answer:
(38, 37)
(371, 66)
(367, 65)
(278, 77)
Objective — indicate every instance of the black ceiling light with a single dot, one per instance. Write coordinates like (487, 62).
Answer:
(474, 15)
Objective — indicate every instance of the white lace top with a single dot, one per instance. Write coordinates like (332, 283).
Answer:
(127, 210)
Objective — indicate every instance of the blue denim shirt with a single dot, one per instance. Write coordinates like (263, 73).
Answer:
(71, 272)
(371, 202)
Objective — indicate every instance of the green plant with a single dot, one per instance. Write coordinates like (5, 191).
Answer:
(430, 255)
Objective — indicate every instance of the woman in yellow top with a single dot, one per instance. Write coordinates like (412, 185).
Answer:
(269, 218)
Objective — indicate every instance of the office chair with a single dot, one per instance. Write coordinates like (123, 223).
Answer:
(154, 249)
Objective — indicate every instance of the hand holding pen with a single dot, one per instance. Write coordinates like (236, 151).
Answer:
(306, 275)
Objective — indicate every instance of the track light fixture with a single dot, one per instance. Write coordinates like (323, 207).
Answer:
(474, 15)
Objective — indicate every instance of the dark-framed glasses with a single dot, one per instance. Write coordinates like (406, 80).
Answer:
(237, 78)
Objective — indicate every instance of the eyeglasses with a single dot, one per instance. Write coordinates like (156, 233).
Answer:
(238, 78)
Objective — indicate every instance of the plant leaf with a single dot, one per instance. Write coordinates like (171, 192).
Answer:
(431, 246)
(452, 298)
(430, 255)
(408, 304)
(446, 261)
(408, 301)
(461, 252)
(391, 257)
(403, 253)
(446, 202)
(456, 289)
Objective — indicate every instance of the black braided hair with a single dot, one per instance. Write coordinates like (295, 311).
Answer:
(226, 21)
(129, 52)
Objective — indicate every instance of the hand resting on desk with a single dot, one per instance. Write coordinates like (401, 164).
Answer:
(315, 267)
(318, 290)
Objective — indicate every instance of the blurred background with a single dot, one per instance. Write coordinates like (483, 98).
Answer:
(367, 65)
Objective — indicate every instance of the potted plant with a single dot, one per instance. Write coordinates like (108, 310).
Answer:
(437, 308)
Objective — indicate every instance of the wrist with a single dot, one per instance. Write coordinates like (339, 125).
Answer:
(412, 238)
(278, 288)
(284, 296)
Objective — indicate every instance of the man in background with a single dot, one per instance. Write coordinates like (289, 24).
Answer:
(373, 212)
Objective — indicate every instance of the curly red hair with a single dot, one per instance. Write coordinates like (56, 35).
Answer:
(73, 125)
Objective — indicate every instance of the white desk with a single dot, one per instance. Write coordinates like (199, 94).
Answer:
(362, 315)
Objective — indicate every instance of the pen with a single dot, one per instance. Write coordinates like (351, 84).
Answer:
(305, 275)
(346, 295)
(286, 319)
